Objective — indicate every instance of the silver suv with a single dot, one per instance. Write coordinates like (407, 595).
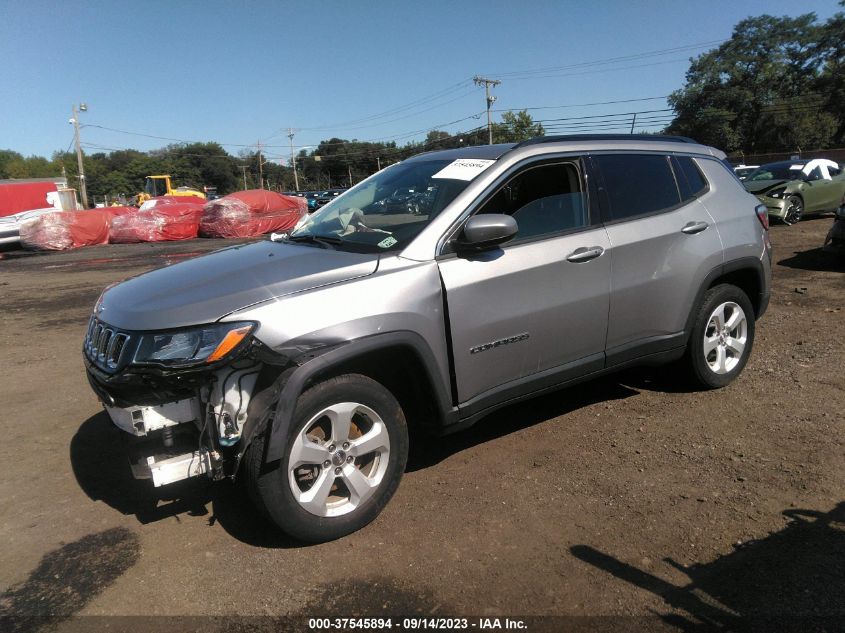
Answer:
(427, 296)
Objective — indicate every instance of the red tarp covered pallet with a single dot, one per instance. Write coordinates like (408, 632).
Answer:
(160, 200)
(161, 223)
(251, 213)
(61, 230)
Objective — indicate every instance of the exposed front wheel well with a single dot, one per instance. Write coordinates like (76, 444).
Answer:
(400, 370)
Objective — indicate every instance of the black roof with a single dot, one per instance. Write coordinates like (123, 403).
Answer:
(655, 138)
(487, 152)
(494, 152)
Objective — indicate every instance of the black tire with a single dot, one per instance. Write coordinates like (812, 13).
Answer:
(700, 369)
(794, 210)
(269, 485)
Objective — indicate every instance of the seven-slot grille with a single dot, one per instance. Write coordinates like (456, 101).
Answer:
(104, 345)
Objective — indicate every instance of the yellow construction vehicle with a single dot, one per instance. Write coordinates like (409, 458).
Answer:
(155, 186)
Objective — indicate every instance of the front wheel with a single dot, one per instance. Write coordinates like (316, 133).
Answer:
(345, 454)
(794, 210)
(721, 338)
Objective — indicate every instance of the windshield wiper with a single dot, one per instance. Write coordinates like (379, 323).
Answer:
(326, 240)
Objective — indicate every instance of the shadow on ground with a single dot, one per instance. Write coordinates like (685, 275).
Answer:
(67, 579)
(99, 461)
(815, 260)
(428, 451)
(792, 580)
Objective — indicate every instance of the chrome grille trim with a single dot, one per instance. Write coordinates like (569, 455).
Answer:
(104, 345)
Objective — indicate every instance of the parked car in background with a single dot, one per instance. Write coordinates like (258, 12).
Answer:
(742, 171)
(791, 189)
(327, 195)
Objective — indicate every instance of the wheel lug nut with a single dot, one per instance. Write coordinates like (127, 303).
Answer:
(349, 459)
(345, 445)
(337, 470)
(326, 464)
(331, 448)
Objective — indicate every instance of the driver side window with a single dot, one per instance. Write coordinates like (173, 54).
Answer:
(816, 174)
(543, 200)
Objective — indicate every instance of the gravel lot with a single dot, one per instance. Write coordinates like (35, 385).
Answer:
(629, 496)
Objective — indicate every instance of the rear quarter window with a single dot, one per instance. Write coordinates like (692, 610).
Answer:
(637, 184)
(690, 180)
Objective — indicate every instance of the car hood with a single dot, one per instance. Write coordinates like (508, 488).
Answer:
(758, 187)
(204, 289)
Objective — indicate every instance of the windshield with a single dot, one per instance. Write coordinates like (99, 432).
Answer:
(386, 211)
(777, 171)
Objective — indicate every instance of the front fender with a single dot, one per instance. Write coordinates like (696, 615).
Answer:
(299, 378)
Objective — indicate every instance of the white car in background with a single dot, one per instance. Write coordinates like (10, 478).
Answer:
(10, 225)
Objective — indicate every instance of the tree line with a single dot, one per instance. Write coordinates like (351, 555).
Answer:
(334, 163)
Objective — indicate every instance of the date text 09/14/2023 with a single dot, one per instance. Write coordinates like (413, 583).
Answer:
(415, 624)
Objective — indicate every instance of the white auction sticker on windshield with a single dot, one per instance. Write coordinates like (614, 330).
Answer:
(464, 169)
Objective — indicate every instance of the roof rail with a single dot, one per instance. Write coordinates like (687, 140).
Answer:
(656, 138)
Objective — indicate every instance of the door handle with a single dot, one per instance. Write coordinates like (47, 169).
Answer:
(585, 254)
(691, 228)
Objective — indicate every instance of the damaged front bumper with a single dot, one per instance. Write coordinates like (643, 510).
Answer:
(178, 423)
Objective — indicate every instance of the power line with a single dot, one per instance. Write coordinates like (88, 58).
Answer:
(409, 106)
(609, 60)
(582, 105)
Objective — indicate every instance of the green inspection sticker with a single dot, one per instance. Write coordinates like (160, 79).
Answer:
(388, 242)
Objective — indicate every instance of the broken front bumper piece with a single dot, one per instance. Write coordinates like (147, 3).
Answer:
(164, 442)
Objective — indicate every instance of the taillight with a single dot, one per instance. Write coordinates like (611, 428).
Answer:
(762, 215)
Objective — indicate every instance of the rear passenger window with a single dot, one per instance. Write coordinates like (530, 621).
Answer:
(637, 184)
(690, 181)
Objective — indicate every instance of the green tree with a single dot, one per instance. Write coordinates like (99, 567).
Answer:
(758, 91)
(516, 127)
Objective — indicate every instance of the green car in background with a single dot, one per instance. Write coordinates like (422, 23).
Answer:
(791, 189)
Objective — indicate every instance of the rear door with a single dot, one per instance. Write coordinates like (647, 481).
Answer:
(534, 309)
(664, 242)
(820, 192)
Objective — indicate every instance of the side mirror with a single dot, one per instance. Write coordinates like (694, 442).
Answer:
(485, 231)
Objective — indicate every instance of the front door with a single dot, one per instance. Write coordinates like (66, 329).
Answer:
(534, 310)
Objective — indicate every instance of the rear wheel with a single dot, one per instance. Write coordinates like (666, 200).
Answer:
(794, 210)
(722, 337)
(345, 454)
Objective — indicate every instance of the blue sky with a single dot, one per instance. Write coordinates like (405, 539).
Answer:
(236, 72)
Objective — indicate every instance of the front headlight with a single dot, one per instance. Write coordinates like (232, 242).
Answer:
(778, 192)
(194, 346)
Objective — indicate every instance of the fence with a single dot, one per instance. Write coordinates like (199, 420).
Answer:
(761, 159)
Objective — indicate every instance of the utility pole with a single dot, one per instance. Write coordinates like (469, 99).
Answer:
(490, 100)
(75, 120)
(349, 167)
(243, 168)
(293, 159)
(633, 121)
(260, 167)
(378, 162)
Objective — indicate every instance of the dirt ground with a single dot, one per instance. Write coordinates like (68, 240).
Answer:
(626, 497)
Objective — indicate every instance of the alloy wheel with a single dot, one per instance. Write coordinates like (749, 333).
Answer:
(794, 210)
(725, 337)
(338, 459)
